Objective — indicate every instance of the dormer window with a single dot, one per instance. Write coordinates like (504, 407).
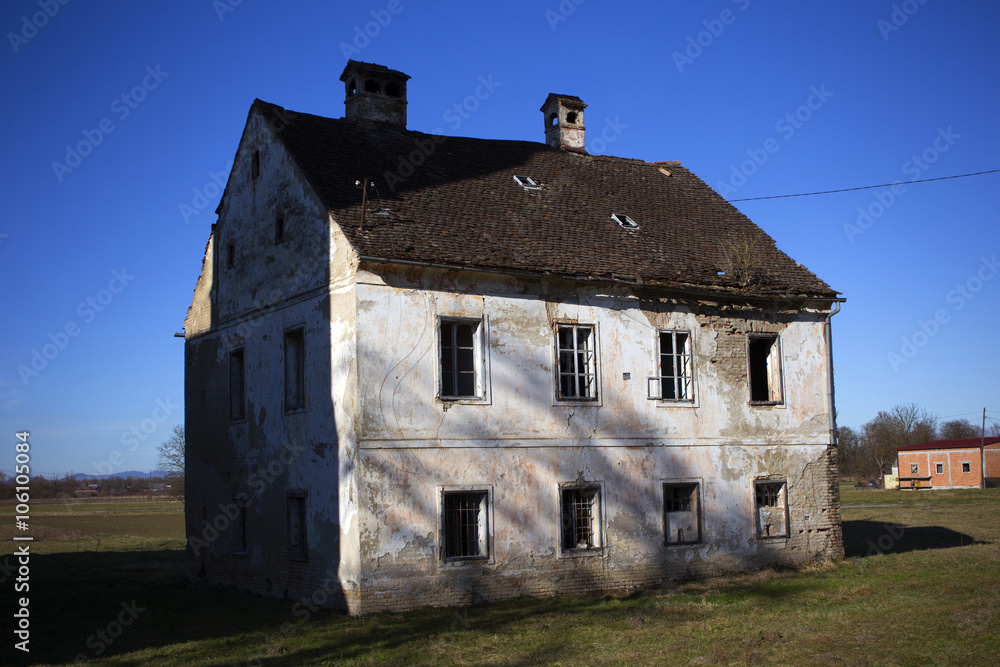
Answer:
(624, 221)
(527, 183)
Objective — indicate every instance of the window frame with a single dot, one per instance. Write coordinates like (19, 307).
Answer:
(486, 517)
(295, 333)
(775, 375)
(295, 503)
(593, 363)
(781, 498)
(914, 468)
(696, 484)
(240, 415)
(966, 464)
(480, 360)
(938, 468)
(238, 528)
(598, 513)
(655, 383)
(279, 227)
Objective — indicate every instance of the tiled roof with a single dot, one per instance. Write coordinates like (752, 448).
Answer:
(954, 443)
(454, 201)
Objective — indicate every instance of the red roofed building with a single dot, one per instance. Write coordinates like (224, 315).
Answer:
(949, 464)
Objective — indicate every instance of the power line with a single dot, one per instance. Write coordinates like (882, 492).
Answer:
(869, 187)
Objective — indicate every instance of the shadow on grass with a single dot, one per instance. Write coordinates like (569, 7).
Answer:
(101, 604)
(869, 538)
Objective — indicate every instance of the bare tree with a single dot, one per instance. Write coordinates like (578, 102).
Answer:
(171, 459)
(903, 425)
(959, 428)
(852, 457)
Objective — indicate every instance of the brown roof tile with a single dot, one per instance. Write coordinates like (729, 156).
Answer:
(461, 206)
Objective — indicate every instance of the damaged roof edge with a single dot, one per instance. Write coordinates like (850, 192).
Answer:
(679, 291)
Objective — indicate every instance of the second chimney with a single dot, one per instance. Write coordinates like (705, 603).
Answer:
(375, 94)
(564, 122)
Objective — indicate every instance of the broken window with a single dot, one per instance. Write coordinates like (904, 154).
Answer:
(461, 359)
(237, 386)
(465, 529)
(764, 355)
(966, 466)
(255, 165)
(577, 362)
(674, 381)
(296, 525)
(772, 508)
(279, 227)
(681, 513)
(939, 468)
(239, 527)
(581, 518)
(295, 366)
(624, 221)
(914, 468)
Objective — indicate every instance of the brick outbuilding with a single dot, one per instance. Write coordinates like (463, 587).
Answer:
(949, 464)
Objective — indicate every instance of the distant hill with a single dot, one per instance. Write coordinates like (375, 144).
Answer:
(123, 474)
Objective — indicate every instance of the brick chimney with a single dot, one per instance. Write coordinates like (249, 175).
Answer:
(375, 94)
(564, 122)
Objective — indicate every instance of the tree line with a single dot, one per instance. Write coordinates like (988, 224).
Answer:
(870, 451)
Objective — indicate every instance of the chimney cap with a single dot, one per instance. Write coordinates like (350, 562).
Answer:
(356, 66)
(568, 101)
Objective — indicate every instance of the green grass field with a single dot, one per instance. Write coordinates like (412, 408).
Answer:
(921, 585)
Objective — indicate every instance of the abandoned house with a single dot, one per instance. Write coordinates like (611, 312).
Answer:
(427, 370)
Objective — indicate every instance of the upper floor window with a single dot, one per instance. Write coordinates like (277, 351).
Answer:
(237, 386)
(279, 227)
(576, 361)
(295, 368)
(461, 357)
(764, 361)
(255, 165)
(674, 383)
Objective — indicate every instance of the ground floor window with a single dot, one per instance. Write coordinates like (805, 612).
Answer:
(465, 528)
(295, 522)
(681, 513)
(966, 466)
(581, 518)
(772, 507)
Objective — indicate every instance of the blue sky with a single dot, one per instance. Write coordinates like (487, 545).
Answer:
(102, 244)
